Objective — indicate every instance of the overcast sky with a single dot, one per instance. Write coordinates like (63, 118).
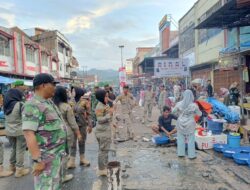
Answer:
(95, 28)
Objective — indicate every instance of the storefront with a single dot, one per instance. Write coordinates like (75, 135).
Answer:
(202, 71)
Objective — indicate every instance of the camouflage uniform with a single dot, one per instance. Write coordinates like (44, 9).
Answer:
(103, 134)
(83, 120)
(127, 104)
(148, 104)
(43, 117)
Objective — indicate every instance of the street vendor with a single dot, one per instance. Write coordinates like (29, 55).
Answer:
(165, 126)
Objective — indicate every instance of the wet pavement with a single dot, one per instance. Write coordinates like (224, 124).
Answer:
(145, 166)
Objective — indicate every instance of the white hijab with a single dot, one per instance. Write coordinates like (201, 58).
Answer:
(188, 98)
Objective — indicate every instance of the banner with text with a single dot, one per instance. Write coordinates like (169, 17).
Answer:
(170, 68)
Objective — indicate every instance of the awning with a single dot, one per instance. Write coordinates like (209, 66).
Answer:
(5, 80)
(232, 14)
(5, 34)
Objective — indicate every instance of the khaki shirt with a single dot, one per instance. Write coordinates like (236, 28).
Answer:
(104, 119)
(149, 96)
(69, 117)
(127, 102)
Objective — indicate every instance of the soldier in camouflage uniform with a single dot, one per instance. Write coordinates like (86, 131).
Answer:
(103, 130)
(127, 104)
(46, 134)
(148, 104)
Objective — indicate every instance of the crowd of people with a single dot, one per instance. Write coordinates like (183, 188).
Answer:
(57, 120)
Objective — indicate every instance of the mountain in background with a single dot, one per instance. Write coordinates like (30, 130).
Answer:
(109, 75)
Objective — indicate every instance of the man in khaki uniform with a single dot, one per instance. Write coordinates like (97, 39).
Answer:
(162, 98)
(127, 104)
(148, 103)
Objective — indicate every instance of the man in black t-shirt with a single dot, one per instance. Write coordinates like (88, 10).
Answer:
(164, 126)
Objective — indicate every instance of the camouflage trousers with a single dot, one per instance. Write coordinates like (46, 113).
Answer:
(51, 177)
(103, 152)
(81, 145)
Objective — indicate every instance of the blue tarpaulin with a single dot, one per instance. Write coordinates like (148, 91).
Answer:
(224, 111)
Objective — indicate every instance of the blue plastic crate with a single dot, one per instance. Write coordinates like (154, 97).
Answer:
(215, 127)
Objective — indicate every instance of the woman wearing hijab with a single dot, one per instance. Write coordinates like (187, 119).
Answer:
(186, 110)
(61, 101)
(103, 130)
(13, 103)
(83, 119)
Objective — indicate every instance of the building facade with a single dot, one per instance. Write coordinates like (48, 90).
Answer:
(22, 56)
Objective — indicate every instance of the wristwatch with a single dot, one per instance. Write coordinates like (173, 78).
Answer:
(38, 160)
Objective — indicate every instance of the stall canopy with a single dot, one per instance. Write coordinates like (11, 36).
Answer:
(5, 80)
(234, 13)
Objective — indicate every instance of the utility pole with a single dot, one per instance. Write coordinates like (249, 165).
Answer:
(121, 47)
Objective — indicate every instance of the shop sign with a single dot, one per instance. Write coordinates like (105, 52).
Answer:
(3, 64)
(170, 68)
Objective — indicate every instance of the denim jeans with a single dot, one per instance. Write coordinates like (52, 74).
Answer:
(181, 145)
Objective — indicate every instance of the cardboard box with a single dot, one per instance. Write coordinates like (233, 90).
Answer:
(207, 142)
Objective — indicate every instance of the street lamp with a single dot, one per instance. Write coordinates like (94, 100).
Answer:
(121, 47)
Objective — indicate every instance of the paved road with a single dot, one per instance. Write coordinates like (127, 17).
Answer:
(146, 167)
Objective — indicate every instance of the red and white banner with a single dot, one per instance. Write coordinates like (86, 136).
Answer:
(122, 77)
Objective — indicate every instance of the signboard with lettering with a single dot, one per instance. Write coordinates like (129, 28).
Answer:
(170, 68)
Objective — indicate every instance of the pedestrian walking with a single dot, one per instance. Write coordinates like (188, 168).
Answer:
(142, 95)
(148, 104)
(186, 110)
(13, 105)
(103, 130)
(60, 99)
(45, 133)
(162, 98)
(83, 119)
(127, 104)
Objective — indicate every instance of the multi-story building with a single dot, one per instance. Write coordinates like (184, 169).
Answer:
(140, 54)
(200, 47)
(232, 18)
(24, 56)
(58, 44)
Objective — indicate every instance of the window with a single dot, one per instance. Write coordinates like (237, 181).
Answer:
(30, 55)
(44, 59)
(4, 47)
(187, 38)
(206, 34)
(60, 47)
